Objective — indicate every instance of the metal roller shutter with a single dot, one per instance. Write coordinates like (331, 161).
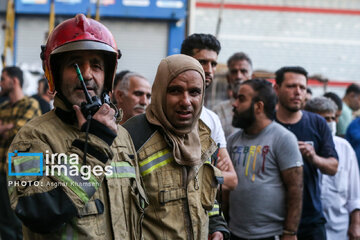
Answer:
(142, 43)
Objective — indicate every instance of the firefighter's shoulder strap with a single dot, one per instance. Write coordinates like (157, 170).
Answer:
(140, 130)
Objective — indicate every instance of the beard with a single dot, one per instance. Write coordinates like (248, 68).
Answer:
(292, 109)
(76, 96)
(7, 89)
(284, 102)
(244, 119)
(4, 93)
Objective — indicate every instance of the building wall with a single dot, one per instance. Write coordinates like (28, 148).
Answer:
(321, 35)
(143, 43)
(145, 33)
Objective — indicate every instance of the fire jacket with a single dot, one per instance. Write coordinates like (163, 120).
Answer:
(63, 204)
(179, 196)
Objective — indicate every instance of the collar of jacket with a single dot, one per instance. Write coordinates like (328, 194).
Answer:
(63, 110)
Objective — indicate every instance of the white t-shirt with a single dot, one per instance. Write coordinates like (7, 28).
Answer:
(340, 194)
(213, 122)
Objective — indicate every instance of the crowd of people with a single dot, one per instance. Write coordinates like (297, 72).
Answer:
(271, 162)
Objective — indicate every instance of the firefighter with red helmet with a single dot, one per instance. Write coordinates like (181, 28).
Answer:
(73, 173)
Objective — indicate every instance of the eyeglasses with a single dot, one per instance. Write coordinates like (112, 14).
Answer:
(328, 119)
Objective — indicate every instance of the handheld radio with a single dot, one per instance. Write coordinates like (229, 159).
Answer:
(92, 104)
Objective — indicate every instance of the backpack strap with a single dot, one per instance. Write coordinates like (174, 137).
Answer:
(140, 130)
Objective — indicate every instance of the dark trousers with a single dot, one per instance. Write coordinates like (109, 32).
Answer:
(233, 237)
(10, 225)
(316, 232)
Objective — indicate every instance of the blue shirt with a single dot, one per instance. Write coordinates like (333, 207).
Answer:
(313, 129)
(353, 136)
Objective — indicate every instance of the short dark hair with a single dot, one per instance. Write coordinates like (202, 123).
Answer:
(119, 76)
(13, 72)
(200, 41)
(308, 90)
(239, 56)
(265, 93)
(355, 88)
(46, 85)
(279, 74)
(337, 100)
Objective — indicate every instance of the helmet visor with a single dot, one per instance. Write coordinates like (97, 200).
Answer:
(84, 45)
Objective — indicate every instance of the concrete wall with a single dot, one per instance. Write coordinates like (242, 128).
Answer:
(324, 43)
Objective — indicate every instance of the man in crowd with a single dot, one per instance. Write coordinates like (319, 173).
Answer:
(315, 143)
(268, 201)
(351, 103)
(44, 97)
(340, 194)
(132, 95)
(308, 96)
(14, 113)
(353, 136)
(174, 149)
(118, 77)
(89, 185)
(239, 70)
(205, 48)
(337, 100)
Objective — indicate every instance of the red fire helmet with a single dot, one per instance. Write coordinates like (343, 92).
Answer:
(79, 33)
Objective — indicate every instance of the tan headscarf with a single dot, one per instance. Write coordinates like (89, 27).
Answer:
(186, 141)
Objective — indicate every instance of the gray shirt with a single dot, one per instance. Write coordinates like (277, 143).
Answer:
(257, 205)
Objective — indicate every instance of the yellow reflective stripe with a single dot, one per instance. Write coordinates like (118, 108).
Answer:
(92, 178)
(81, 193)
(21, 159)
(26, 164)
(213, 213)
(154, 156)
(10, 190)
(122, 170)
(215, 210)
(84, 189)
(157, 166)
(155, 161)
(32, 170)
(120, 164)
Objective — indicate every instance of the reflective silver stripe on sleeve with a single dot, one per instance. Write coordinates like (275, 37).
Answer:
(155, 162)
(122, 170)
(31, 163)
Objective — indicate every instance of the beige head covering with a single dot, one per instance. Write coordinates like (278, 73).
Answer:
(186, 141)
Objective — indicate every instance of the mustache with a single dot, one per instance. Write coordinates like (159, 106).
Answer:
(208, 75)
(185, 108)
(139, 106)
(89, 86)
